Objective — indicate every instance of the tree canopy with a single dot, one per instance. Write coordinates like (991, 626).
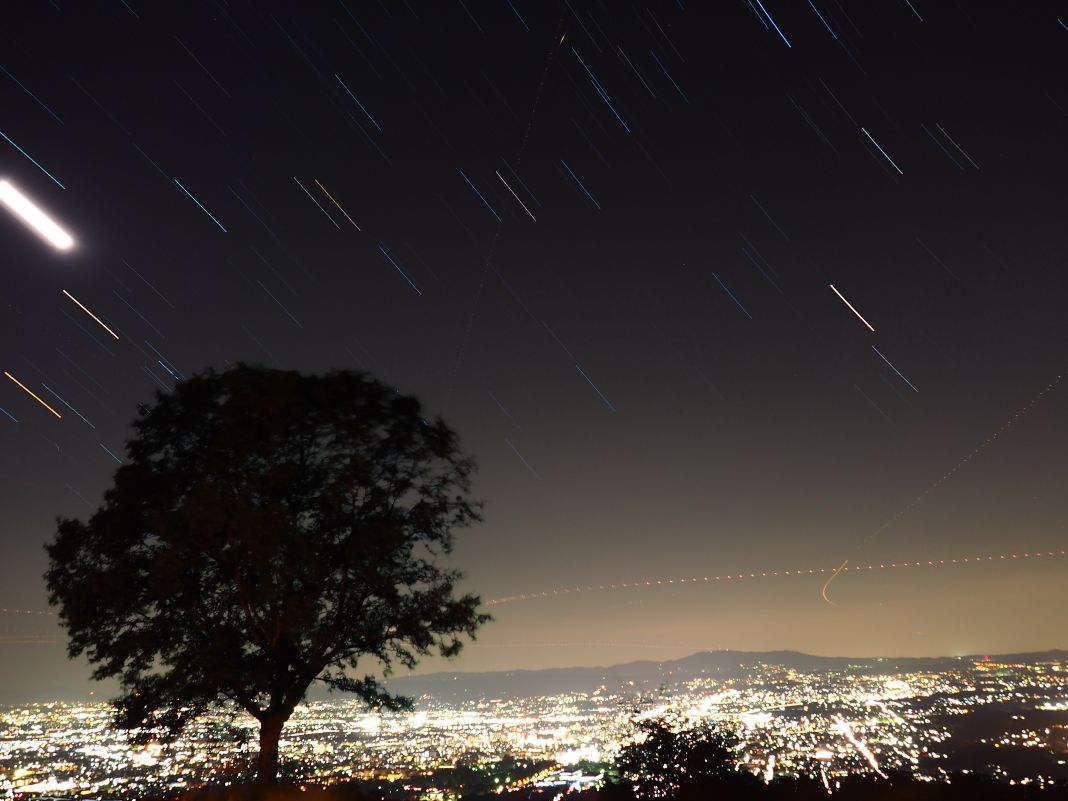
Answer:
(665, 759)
(269, 529)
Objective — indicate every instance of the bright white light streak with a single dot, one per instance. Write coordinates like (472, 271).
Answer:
(111, 454)
(521, 203)
(201, 206)
(30, 392)
(850, 305)
(865, 130)
(31, 214)
(766, 14)
(80, 306)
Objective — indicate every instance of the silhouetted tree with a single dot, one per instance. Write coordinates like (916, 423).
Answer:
(269, 530)
(664, 760)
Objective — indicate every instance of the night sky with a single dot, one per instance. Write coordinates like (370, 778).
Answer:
(598, 238)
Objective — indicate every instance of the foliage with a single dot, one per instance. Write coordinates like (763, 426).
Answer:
(270, 529)
(483, 778)
(857, 788)
(665, 759)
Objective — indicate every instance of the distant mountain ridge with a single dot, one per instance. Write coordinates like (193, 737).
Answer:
(649, 675)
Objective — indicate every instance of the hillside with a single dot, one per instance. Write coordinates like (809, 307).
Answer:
(649, 675)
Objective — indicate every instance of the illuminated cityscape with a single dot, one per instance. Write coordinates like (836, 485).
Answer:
(1009, 720)
(630, 360)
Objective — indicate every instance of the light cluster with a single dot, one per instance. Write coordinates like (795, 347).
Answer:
(790, 722)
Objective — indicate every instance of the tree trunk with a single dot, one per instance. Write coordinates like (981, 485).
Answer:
(267, 762)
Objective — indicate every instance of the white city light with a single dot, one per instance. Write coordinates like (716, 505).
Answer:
(27, 211)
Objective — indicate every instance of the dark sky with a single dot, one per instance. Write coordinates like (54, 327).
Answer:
(640, 346)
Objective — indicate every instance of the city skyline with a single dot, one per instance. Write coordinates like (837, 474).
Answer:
(794, 717)
(750, 315)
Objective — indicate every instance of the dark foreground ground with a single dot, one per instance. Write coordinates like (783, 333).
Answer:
(897, 788)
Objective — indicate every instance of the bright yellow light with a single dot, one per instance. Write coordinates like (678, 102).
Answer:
(31, 214)
(850, 305)
(82, 307)
(28, 391)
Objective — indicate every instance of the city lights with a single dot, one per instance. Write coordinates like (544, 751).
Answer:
(821, 724)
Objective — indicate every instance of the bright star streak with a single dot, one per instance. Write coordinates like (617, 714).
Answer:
(779, 30)
(393, 261)
(515, 450)
(950, 138)
(69, 295)
(347, 217)
(31, 94)
(32, 159)
(581, 186)
(850, 305)
(201, 206)
(480, 196)
(27, 211)
(737, 302)
(374, 122)
(894, 369)
(30, 392)
(589, 380)
(825, 25)
(899, 172)
(59, 398)
(316, 202)
(521, 203)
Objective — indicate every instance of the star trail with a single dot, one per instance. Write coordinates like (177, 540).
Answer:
(704, 288)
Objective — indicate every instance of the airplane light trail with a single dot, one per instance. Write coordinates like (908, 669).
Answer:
(30, 392)
(850, 305)
(7, 611)
(827, 584)
(31, 214)
(951, 472)
(69, 295)
(736, 577)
